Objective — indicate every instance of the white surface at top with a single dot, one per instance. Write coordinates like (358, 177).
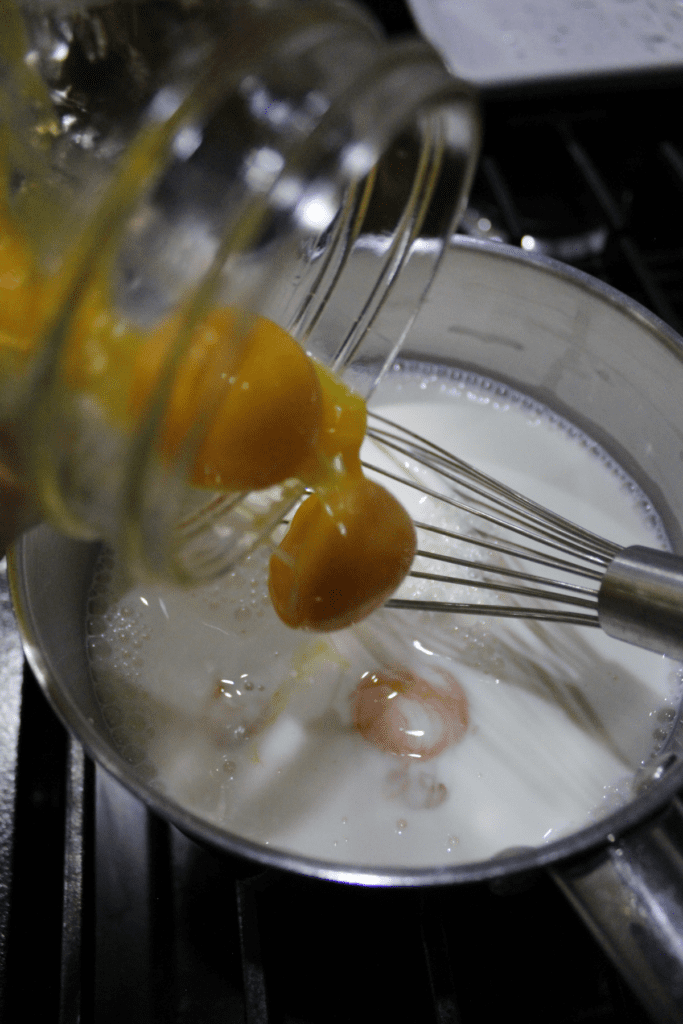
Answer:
(496, 41)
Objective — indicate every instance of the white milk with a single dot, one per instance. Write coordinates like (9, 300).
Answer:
(249, 723)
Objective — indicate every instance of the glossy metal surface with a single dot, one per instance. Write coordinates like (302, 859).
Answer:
(630, 896)
(641, 600)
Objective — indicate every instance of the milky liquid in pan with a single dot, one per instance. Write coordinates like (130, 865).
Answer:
(250, 724)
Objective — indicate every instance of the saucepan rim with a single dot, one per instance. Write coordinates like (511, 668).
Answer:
(101, 749)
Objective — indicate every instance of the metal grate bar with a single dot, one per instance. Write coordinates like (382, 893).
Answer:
(594, 180)
(656, 297)
(503, 197)
(439, 963)
(255, 994)
(123, 960)
(11, 675)
(76, 964)
(673, 159)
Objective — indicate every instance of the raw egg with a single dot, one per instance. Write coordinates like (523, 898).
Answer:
(346, 551)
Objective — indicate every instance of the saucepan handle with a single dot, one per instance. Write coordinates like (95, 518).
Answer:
(641, 600)
(630, 894)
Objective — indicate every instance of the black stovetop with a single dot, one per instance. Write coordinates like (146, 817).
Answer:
(108, 914)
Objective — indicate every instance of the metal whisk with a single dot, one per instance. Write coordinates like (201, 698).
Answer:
(634, 594)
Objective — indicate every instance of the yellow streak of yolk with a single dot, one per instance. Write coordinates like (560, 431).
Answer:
(351, 543)
(342, 429)
(21, 298)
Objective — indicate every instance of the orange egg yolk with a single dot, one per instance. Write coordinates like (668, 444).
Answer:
(252, 411)
(259, 424)
(346, 550)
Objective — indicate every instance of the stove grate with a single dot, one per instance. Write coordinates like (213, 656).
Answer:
(594, 181)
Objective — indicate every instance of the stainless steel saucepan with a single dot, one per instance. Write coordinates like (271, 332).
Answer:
(617, 372)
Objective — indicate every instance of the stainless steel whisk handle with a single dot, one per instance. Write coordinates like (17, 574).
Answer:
(640, 600)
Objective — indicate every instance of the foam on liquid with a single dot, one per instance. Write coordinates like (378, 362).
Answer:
(249, 723)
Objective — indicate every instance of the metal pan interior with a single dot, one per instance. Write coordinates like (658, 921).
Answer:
(554, 334)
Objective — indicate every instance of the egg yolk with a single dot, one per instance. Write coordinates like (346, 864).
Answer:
(21, 301)
(351, 543)
(253, 411)
(260, 426)
(346, 551)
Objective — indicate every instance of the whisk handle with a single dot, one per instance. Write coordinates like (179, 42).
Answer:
(641, 600)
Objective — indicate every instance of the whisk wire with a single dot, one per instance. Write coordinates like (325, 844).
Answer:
(496, 611)
(504, 588)
(530, 529)
(518, 551)
(490, 502)
(492, 493)
(501, 570)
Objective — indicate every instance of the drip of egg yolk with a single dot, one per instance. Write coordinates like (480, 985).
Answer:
(257, 411)
(351, 543)
(404, 714)
(347, 549)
